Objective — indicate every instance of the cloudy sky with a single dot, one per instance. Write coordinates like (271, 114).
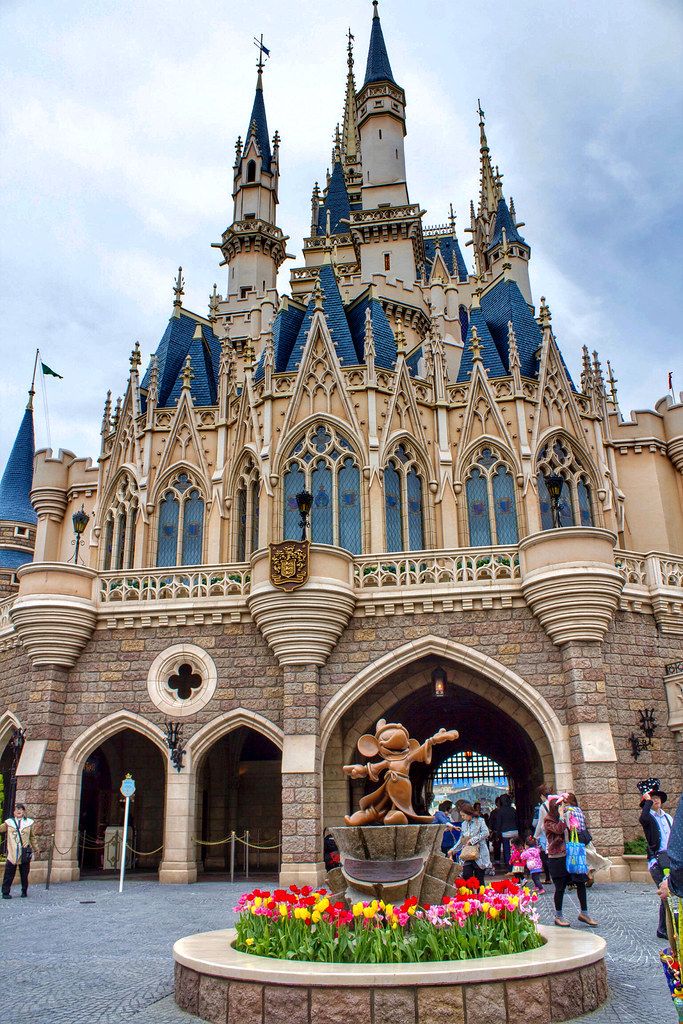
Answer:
(117, 129)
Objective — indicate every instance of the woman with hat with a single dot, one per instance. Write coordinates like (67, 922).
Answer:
(657, 828)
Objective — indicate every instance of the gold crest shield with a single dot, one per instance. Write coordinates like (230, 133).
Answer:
(289, 564)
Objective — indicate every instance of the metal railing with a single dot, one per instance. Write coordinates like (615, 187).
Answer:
(175, 584)
(437, 568)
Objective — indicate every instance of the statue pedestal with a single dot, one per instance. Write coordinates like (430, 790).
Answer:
(391, 862)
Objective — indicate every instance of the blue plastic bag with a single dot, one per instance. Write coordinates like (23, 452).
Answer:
(576, 855)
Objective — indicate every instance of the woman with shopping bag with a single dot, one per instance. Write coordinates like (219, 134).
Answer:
(567, 860)
(20, 838)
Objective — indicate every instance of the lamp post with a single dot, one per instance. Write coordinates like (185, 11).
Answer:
(554, 484)
(304, 501)
(17, 745)
(80, 520)
(439, 680)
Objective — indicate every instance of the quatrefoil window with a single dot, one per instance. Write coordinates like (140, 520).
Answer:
(185, 681)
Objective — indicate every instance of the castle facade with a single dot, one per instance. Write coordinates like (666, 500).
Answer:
(493, 546)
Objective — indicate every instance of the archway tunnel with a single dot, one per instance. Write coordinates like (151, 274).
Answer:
(490, 720)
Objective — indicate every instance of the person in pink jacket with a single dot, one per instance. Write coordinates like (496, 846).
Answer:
(530, 857)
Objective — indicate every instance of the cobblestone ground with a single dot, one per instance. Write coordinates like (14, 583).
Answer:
(81, 954)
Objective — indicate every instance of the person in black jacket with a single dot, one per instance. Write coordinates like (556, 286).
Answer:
(656, 825)
(508, 826)
(674, 881)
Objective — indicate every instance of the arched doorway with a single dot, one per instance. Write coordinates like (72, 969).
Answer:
(101, 808)
(467, 775)
(496, 713)
(239, 790)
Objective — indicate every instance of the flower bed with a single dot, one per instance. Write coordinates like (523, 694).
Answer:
(673, 957)
(304, 924)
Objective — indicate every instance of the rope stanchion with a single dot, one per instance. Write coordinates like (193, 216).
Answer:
(144, 853)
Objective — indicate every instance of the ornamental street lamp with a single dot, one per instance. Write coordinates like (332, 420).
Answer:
(439, 680)
(16, 745)
(175, 744)
(304, 501)
(80, 520)
(554, 484)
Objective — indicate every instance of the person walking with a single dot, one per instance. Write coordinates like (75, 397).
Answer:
(540, 812)
(19, 829)
(657, 825)
(531, 859)
(555, 826)
(577, 820)
(473, 840)
(496, 840)
(508, 826)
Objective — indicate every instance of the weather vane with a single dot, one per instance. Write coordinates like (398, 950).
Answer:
(263, 52)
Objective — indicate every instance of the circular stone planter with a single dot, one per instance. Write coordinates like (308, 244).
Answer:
(563, 979)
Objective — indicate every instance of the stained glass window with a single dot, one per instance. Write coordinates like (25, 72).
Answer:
(119, 530)
(167, 545)
(504, 504)
(585, 510)
(108, 540)
(547, 521)
(393, 512)
(120, 539)
(241, 524)
(324, 463)
(415, 521)
(255, 509)
(193, 529)
(575, 505)
(478, 509)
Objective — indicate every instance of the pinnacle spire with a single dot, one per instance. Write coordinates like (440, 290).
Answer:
(350, 143)
(378, 67)
(490, 185)
(258, 123)
(16, 482)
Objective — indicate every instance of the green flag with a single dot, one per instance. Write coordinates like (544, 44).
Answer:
(50, 373)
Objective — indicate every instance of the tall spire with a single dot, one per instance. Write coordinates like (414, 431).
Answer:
(17, 480)
(258, 123)
(350, 141)
(490, 190)
(378, 67)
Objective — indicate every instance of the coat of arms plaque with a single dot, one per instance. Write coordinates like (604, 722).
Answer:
(289, 564)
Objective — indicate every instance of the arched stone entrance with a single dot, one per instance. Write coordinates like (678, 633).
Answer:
(495, 711)
(139, 749)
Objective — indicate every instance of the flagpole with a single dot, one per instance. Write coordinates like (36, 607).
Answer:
(35, 367)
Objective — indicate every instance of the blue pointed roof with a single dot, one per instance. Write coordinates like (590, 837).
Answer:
(13, 558)
(451, 252)
(17, 480)
(378, 67)
(337, 202)
(385, 343)
(489, 353)
(335, 316)
(500, 305)
(177, 342)
(258, 118)
(504, 220)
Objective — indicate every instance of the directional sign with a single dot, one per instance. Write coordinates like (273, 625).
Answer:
(128, 786)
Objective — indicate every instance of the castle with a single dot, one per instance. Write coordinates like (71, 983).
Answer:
(493, 546)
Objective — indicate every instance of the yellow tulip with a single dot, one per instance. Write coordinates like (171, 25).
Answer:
(322, 905)
(357, 909)
(411, 910)
(466, 907)
(494, 912)
(250, 942)
(283, 909)
(315, 917)
(388, 909)
(486, 907)
(258, 901)
(368, 912)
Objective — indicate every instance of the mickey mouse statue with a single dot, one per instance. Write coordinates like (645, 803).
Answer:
(392, 802)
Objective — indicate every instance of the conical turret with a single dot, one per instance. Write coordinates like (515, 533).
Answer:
(17, 515)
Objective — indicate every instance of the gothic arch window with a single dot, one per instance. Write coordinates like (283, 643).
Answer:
(247, 512)
(324, 463)
(403, 502)
(120, 526)
(576, 499)
(251, 171)
(180, 535)
(491, 504)
(464, 319)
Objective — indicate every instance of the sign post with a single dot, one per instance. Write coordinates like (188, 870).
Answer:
(127, 790)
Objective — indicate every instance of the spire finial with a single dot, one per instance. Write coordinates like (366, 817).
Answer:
(597, 374)
(29, 404)
(349, 50)
(489, 182)
(400, 338)
(178, 291)
(451, 219)
(350, 143)
(238, 150)
(188, 374)
(475, 346)
(318, 294)
(544, 314)
(106, 416)
(214, 299)
(263, 52)
(375, 4)
(135, 358)
(612, 380)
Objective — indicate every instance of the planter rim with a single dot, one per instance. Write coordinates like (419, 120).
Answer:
(567, 531)
(212, 953)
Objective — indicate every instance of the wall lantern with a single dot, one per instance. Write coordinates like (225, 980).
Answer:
(647, 722)
(174, 742)
(439, 681)
(304, 500)
(554, 484)
(468, 755)
(80, 520)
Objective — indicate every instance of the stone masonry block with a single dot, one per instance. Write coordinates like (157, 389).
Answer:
(340, 1006)
(285, 1003)
(245, 1003)
(529, 999)
(441, 1004)
(392, 1005)
(566, 995)
(212, 1004)
(589, 983)
(485, 1004)
(186, 988)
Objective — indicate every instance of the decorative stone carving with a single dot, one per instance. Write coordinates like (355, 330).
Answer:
(674, 695)
(570, 582)
(303, 627)
(54, 615)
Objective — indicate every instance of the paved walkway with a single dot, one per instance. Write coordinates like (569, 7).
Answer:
(82, 954)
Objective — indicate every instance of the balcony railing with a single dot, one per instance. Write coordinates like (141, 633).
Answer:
(5, 621)
(175, 584)
(437, 568)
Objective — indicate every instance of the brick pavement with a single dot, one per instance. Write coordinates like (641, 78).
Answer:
(66, 960)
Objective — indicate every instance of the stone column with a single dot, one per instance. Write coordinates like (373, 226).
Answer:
(179, 864)
(302, 843)
(592, 747)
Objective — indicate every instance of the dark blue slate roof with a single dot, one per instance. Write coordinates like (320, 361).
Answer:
(378, 67)
(174, 346)
(10, 558)
(336, 321)
(450, 250)
(489, 352)
(504, 220)
(385, 343)
(15, 486)
(501, 304)
(258, 116)
(337, 202)
(413, 360)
